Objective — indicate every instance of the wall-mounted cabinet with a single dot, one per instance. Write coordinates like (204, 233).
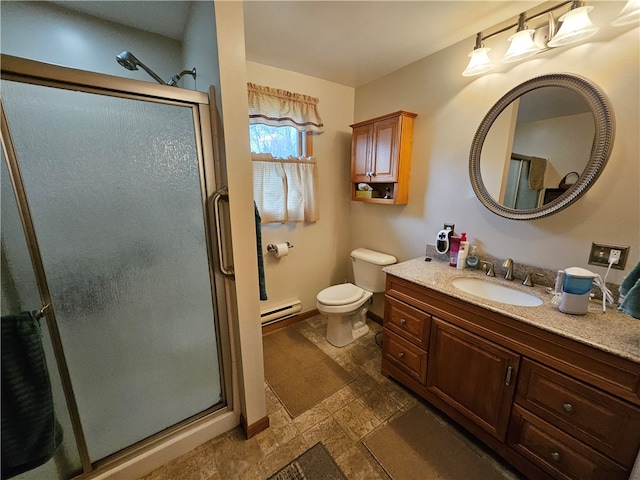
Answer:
(381, 158)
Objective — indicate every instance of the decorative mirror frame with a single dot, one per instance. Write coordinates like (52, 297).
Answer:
(600, 150)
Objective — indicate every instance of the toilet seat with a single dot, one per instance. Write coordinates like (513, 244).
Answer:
(341, 294)
(342, 299)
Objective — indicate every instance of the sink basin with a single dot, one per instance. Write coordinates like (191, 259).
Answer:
(495, 292)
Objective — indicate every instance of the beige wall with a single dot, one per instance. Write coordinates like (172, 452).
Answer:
(230, 28)
(450, 108)
(321, 249)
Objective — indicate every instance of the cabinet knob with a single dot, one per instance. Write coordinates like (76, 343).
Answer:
(403, 321)
(567, 407)
(401, 355)
(555, 456)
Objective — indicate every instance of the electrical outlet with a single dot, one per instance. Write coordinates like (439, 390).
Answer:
(602, 253)
(452, 226)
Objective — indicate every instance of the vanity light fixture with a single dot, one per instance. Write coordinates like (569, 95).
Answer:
(522, 45)
(629, 14)
(479, 61)
(576, 26)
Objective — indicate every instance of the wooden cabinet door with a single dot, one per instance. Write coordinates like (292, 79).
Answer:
(361, 144)
(385, 150)
(472, 375)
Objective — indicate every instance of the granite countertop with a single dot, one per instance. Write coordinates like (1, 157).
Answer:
(610, 331)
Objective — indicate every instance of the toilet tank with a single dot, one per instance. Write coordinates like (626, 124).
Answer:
(367, 268)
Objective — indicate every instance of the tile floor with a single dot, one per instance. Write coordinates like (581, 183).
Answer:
(341, 422)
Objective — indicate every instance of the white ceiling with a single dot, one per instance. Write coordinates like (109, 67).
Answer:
(347, 42)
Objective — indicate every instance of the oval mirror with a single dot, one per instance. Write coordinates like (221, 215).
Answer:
(541, 146)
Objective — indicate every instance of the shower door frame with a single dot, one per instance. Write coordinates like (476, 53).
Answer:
(203, 108)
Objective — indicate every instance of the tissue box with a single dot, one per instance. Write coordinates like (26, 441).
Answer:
(366, 194)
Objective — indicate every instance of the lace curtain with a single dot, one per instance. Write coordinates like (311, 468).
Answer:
(284, 189)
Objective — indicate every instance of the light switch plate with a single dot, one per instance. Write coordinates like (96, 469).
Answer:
(600, 255)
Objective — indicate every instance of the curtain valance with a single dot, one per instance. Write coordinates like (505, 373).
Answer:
(278, 108)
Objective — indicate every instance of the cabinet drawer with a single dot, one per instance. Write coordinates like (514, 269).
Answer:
(596, 418)
(404, 355)
(406, 321)
(559, 454)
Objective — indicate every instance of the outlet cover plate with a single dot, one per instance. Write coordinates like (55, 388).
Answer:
(600, 255)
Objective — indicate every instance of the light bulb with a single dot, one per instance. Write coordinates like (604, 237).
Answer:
(479, 62)
(576, 26)
(629, 14)
(522, 46)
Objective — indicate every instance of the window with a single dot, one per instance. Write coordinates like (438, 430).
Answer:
(284, 171)
(280, 142)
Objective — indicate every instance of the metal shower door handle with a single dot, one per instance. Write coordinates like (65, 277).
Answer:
(222, 194)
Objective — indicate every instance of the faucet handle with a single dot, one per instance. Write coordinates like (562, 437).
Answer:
(490, 270)
(528, 281)
(508, 264)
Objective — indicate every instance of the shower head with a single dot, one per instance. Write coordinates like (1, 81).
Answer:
(130, 62)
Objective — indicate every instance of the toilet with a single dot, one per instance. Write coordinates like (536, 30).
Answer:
(346, 305)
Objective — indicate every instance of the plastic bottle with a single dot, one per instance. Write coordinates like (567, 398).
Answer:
(472, 258)
(463, 249)
(454, 246)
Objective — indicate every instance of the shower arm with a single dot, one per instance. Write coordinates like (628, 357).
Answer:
(174, 80)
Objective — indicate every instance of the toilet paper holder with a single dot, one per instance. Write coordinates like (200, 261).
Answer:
(272, 248)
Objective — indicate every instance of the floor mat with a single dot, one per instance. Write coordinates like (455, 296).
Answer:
(314, 464)
(417, 445)
(298, 372)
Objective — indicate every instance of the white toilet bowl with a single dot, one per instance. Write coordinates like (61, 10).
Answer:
(345, 306)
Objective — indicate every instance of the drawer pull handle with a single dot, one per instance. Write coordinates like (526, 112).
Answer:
(401, 355)
(567, 407)
(509, 373)
(403, 321)
(555, 456)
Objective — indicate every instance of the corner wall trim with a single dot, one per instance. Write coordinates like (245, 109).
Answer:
(254, 428)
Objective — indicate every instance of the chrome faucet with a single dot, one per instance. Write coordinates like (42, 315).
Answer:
(508, 264)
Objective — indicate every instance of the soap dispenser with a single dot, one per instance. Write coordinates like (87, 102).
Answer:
(472, 258)
(463, 249)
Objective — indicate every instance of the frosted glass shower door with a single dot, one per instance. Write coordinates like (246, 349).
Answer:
(116, 189)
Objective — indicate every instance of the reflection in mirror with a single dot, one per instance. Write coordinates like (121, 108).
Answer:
(534, 143)
(541, 146)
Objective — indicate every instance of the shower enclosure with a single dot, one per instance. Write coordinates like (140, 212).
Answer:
(106, 220)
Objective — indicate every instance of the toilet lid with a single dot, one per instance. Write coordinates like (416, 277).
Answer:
(340, 294)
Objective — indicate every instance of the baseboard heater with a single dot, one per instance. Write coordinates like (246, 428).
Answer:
(280, 312)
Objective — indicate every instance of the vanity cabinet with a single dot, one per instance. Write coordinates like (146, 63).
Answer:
(489, 372)
(381, 157)
(550, 406)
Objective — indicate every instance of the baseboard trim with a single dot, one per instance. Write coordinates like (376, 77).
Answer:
(376, 318)
(289, 321)
(255, 428)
